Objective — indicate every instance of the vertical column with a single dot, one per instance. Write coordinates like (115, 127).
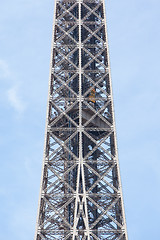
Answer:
(81, 192)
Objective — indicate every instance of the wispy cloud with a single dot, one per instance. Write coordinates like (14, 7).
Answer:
(4, 69)
(11, 86)
(15, 100)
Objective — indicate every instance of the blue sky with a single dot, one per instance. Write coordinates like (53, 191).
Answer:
(25, 43)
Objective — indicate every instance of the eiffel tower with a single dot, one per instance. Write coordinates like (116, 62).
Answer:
(80, 193)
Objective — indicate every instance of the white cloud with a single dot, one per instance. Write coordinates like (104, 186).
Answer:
(12, 88)
(4, 69)
(15, 100)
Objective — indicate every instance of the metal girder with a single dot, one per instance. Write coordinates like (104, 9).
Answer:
(81, 194)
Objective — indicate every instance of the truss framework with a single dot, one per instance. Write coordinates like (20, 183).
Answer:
(81, 194)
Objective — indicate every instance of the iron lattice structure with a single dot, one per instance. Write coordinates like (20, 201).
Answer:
(81, 195)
